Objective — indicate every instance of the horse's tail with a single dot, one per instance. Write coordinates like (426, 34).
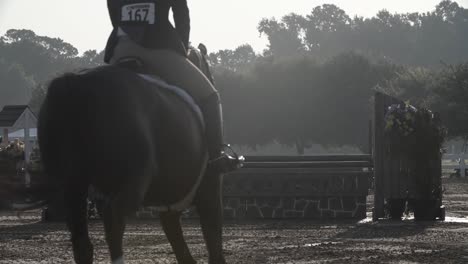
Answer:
(55, 117)
(92, 128)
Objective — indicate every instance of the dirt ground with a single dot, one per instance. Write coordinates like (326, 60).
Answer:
(26, 240)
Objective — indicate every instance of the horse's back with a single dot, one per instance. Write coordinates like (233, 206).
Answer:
(108, 127)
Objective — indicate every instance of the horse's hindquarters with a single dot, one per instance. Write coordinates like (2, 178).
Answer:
(110, 128)
(181, 153)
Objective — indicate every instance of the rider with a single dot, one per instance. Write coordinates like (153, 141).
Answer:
(141, 29)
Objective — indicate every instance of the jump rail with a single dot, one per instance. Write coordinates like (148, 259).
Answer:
(322, 186)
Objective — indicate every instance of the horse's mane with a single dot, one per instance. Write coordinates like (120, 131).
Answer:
(195, 56)
(199, 60)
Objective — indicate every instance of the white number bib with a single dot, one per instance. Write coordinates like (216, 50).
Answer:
(142, 12)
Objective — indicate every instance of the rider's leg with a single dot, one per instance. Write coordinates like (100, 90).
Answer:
(179, 71)
(169, 65)
(213, 114)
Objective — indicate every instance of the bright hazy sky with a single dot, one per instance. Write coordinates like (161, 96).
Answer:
(220, 24)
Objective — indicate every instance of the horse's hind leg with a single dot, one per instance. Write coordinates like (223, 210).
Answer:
(77, 222)
(119, 206)
(171, 225)
(209, 206)
(114, 226)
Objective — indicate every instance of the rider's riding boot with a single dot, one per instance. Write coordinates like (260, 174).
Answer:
(219, 159)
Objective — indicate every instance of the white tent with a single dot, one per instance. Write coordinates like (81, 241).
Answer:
(20, 134)
(21, 120)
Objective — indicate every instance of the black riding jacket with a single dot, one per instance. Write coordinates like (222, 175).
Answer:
(147, 23)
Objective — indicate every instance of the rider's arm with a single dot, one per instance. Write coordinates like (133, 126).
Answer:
(113, 7)
(114, 11)
(182, 20)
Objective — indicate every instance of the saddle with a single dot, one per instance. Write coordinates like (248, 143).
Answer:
(134, 64)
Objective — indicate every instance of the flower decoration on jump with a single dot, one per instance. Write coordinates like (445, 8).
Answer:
(400, 119)
(412, 131)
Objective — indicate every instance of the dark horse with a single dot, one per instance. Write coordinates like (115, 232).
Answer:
(134, 142)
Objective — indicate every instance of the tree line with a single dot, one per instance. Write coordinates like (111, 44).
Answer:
(422, 39)
(312, 84)
(29, 61)
(315, 80)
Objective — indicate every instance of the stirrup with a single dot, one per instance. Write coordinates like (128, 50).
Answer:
(240, 159)
(226, 162)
